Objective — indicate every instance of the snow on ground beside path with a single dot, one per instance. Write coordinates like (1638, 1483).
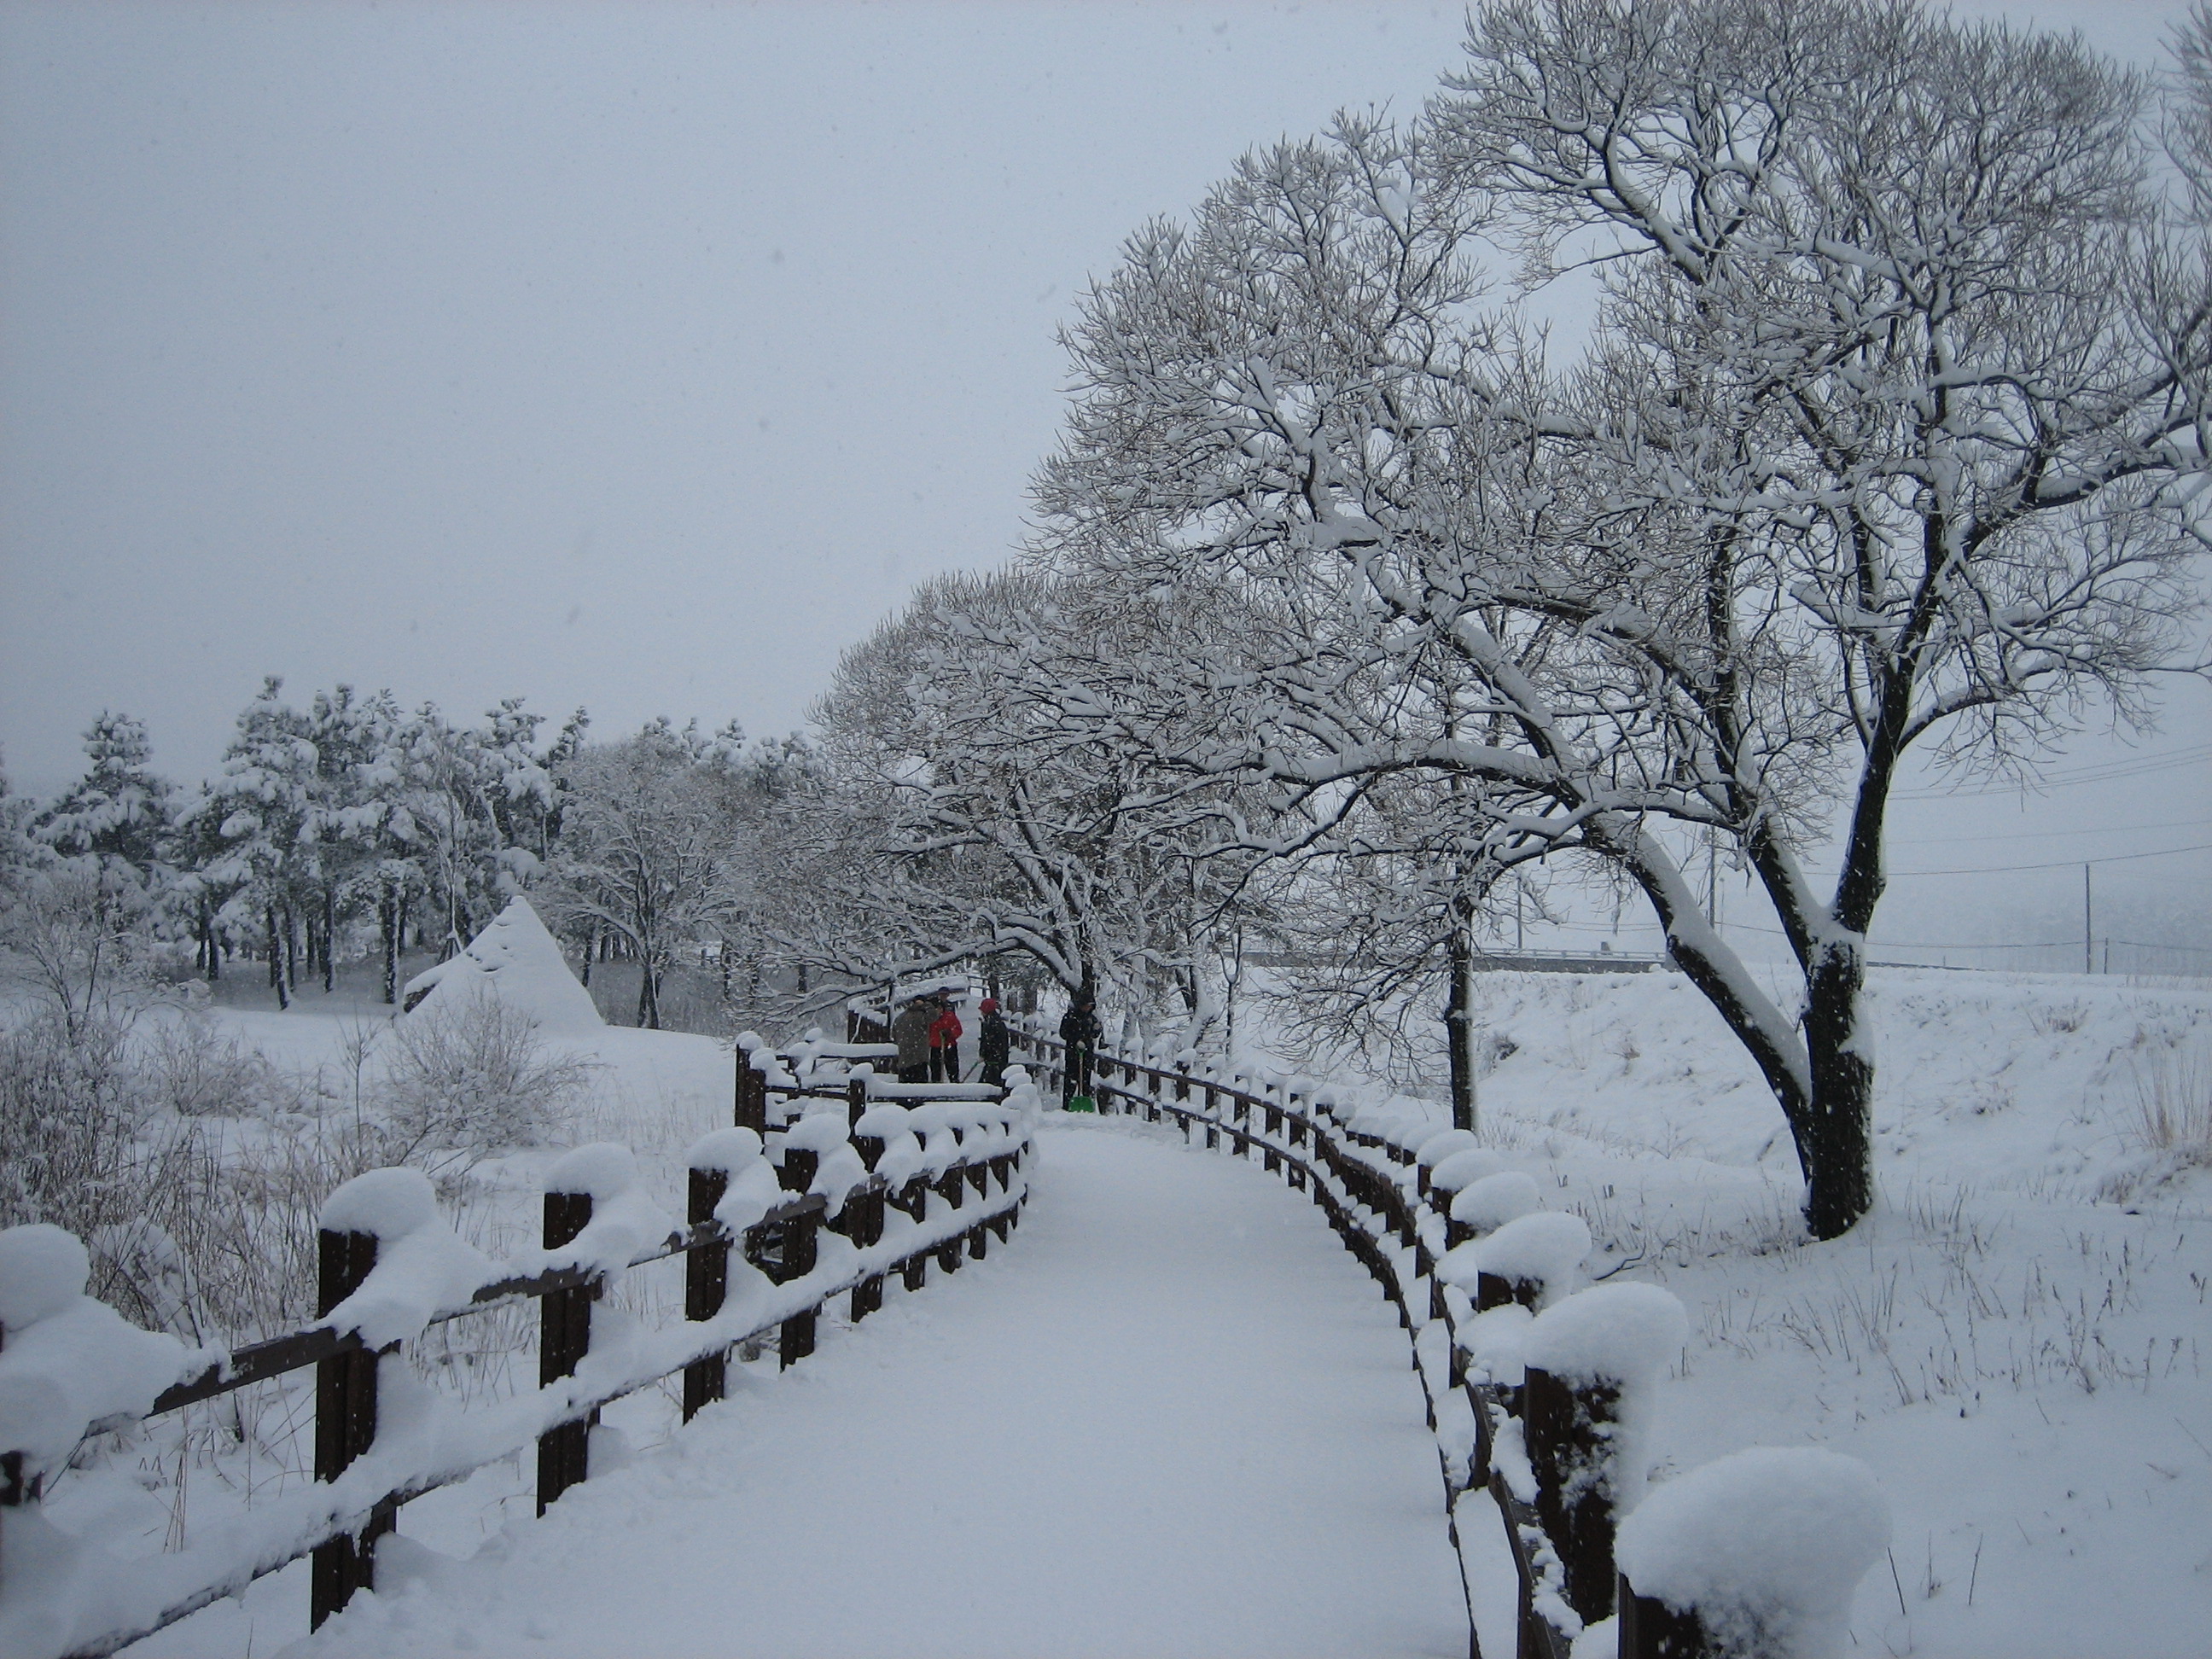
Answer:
(2018, 1341)
(1171, 1417)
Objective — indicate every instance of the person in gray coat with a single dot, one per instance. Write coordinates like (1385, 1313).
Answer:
(910, 1030)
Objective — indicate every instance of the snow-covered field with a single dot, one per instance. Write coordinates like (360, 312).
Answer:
(2015, 1341)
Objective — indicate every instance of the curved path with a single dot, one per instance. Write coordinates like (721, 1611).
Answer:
(1171, 1417)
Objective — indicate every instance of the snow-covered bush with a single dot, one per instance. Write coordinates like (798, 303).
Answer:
(188, 1067)
(460, 1084)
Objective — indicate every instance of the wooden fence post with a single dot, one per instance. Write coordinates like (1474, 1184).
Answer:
(795, 1337)
(345, 1426)
(752, 1110)
(705, 1284)
(1569, 1433)
(1650, 1629)
(915, 1269)
(953, 1185)
(564, 1337)
(1492, 1292)
(865, 1227)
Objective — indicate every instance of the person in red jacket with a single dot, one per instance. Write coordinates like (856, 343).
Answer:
(945, 1045)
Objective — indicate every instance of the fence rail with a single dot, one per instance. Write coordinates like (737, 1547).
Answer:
(955, 1172)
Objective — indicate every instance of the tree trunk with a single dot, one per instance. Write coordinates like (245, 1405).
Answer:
(649, 997)
(330, 938)
(1836, 1142)
(388, 927)
(591, 950)
(1459, 1021)
(276, 958)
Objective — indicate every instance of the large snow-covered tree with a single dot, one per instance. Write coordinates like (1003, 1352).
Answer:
(1887, 436)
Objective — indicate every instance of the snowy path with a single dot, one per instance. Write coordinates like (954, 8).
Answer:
(1171, 1417)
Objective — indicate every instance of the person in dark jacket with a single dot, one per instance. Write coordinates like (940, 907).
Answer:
(991, 1044)
(1080, 1030)
(944, 1044)
(910, 1030)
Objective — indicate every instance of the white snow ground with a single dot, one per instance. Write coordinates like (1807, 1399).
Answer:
(2018, 1341)
(1171, 1417)
(2013, 1344)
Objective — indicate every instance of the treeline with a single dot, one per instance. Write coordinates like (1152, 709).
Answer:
(352, 827)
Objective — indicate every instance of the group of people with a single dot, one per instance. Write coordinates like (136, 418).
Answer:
(928, 1032)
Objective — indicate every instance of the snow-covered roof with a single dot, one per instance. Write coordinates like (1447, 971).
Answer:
(517, 962)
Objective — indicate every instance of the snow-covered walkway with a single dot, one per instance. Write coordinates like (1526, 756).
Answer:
(1171, 1417)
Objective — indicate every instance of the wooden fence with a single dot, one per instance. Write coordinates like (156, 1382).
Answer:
(968, 1188)
(1527, 1440)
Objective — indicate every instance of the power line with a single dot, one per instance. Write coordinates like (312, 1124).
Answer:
(2059, 864)
(2107, 772)
(2049, 834)
(2015, 945)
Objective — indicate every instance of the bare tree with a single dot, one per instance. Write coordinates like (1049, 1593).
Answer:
(1888, 437)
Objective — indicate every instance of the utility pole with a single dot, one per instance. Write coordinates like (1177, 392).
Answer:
(2087, 920)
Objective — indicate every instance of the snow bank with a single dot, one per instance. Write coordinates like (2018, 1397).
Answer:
(820, 1132)
(1545, 1248)
(624, 1218)
(1768, 1545)
(1491, 1342)
(823, 1133)
(42, 1269)
(515, 962)
(1451, 1143)
(422, 1267)
(753, 1189)
(1463, 1168)
(729, 1151)
(1488, 1204)
(1621, 1333)
(885, 1121)
(69, 1360)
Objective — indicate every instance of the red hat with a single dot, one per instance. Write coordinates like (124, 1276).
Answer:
(989, 1006)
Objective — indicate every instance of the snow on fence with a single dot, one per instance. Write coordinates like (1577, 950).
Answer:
(1536, 1389)
(825, 1184)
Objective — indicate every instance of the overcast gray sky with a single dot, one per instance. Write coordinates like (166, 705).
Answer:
(637, 356)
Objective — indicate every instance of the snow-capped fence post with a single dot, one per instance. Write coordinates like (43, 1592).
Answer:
(867, 1226)
(345, 1424)
(952, 1187)
(795, 1173)
(706, 1285)
(751, 1108)
(564, 1337)
(1590, 1359)
(1759, 1551)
